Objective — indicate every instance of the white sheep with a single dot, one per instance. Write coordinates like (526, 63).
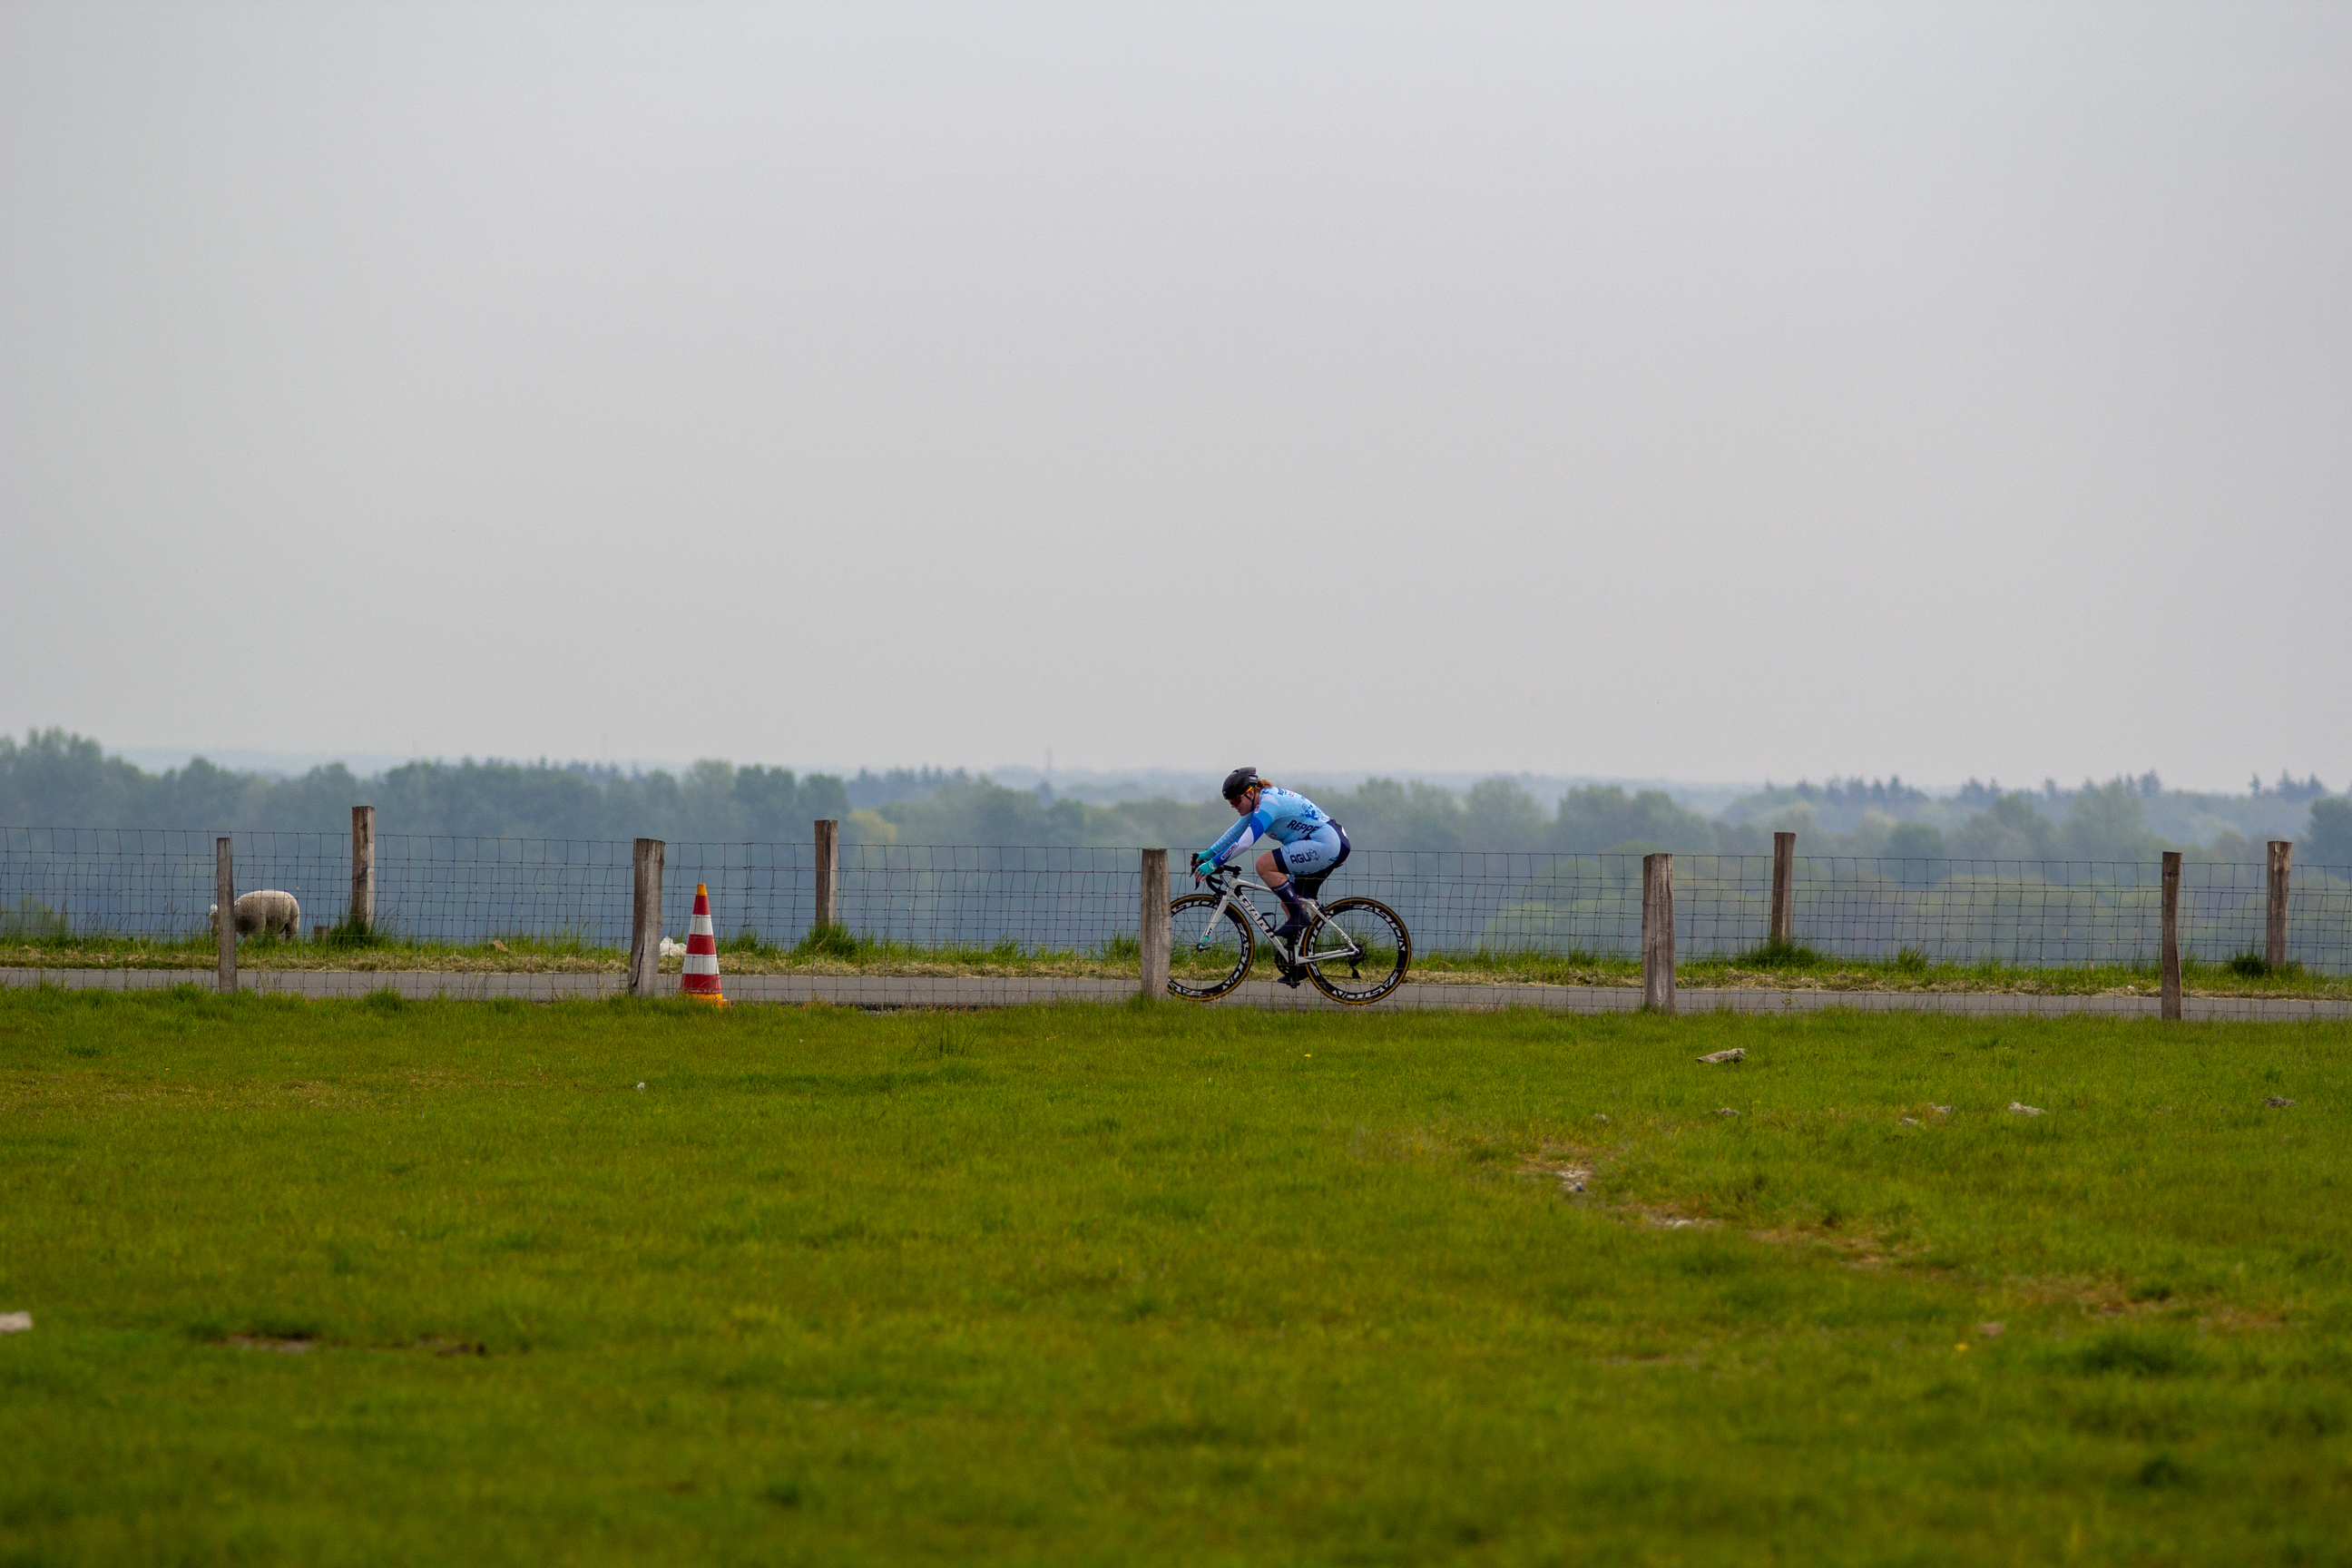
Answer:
(267, 909)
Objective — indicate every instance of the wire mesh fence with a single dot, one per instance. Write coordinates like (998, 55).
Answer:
(466, 890)
(158, 883)
(2044, 912)
(2029, 913)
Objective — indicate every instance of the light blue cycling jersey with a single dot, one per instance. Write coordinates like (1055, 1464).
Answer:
(1283, 816)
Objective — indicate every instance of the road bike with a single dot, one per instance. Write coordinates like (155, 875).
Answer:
(1356, 951)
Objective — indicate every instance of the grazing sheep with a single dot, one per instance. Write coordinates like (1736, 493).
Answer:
(268, 910)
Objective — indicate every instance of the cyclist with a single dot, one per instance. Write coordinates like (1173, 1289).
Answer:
(1307, 842)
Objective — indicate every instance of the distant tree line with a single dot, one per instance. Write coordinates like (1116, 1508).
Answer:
(53, 779)
(871, 789)
(1977, 794)
(56, 780)
(1496, 815)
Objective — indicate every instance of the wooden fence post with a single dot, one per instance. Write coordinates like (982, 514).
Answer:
(363, 868)
(645, 916)
(2274, 928)
(1658, 934)
(2169, 1006)
(224, 917)
(828, 872)
(1784, 890)
(1153, 935)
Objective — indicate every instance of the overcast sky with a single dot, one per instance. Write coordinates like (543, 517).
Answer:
(1706, 391)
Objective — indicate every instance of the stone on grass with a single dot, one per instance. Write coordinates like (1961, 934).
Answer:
(1991, 1331)
(15, 1322)
(2019, 1108)
(1725, 1110)
(1735, 1053)
(2278, 1102)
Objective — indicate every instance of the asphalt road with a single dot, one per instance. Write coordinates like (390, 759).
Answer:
(927, 991)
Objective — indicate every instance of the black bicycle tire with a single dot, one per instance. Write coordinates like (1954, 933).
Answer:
(1358, 997)
(1249, 947)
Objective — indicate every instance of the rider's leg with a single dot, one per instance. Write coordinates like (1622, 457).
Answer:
(1319, 851)
(1270, 872)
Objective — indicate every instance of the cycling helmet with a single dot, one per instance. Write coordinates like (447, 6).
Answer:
(1239, 780)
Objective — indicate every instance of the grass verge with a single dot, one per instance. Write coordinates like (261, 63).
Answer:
(624, 1282)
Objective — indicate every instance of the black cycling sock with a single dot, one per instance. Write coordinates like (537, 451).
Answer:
(1288, 894)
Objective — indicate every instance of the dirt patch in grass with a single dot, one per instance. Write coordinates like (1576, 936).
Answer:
(446, 1347)
(2094, 1296)
(2118, 1301)
(1858, 1248)
(1561, 1162)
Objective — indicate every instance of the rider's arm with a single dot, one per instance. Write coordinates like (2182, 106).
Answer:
(1239, 836)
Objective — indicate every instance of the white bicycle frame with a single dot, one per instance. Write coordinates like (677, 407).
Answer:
(1230, 884)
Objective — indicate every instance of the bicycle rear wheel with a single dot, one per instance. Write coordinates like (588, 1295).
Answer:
(1358, 951)
(1208, 953)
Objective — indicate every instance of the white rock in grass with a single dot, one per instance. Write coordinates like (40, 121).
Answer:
(1725, 1110)
(2019, 1108)
(1735, 1053)
(15, 1322)
(672, 948)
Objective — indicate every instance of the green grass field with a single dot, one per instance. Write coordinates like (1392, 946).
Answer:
(439, 1282)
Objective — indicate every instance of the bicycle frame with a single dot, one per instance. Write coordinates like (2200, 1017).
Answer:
(1230, 885)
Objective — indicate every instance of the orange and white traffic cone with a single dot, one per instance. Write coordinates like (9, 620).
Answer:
(700, 980)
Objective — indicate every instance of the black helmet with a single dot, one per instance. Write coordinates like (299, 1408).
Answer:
(1237, 783)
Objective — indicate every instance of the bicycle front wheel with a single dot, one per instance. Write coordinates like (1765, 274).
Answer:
(1208, 952)
(1358, 951)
